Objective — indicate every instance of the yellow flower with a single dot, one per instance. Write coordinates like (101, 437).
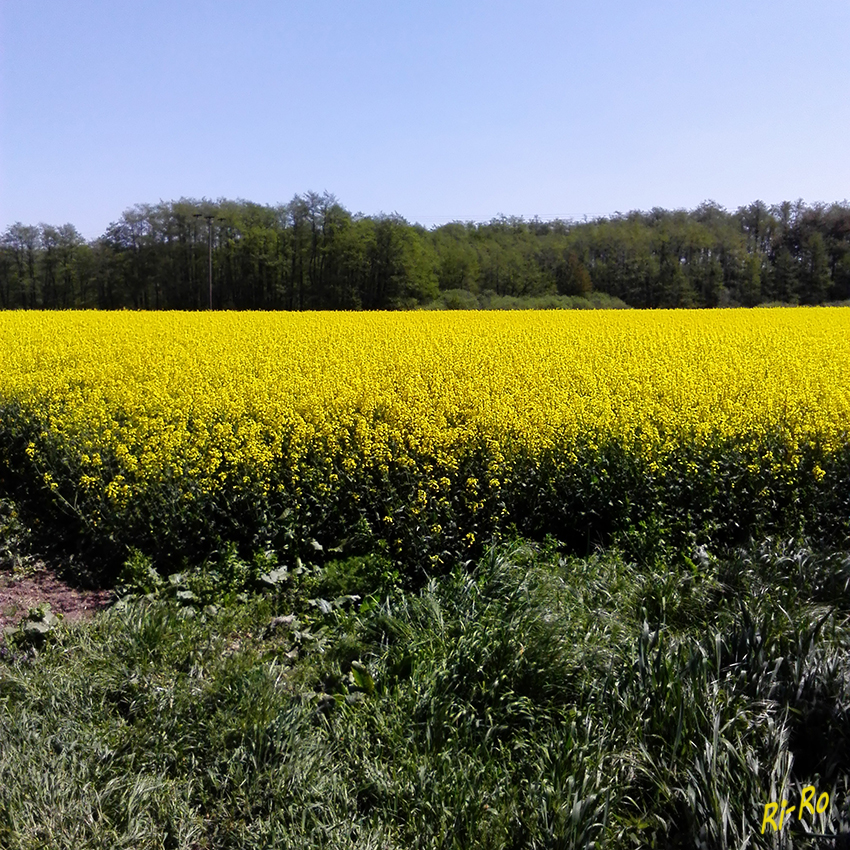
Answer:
(275, 401)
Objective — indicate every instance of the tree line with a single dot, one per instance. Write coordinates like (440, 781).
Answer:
(312, 253)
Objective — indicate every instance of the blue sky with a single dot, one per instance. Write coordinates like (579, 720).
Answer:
(436, 110)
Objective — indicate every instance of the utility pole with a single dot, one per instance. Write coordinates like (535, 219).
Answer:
(209, 219)
(220, 265)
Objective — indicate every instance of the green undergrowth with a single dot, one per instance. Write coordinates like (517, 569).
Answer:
(533, 699)
(462, 299)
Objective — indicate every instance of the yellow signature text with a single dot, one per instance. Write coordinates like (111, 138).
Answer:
(806, 802)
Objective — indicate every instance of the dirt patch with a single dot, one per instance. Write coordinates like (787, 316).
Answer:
(20, 592)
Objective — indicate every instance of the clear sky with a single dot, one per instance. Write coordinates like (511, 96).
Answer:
(438, 109)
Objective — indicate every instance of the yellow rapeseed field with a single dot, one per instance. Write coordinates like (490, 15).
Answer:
(226, 400)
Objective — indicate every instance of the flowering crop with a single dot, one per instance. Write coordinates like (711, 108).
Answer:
(393, 417)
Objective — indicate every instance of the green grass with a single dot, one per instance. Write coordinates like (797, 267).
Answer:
(535, 700)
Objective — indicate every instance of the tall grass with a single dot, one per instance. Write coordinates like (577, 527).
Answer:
(536, 701)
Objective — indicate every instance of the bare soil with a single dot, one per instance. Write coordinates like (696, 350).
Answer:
(20, 592)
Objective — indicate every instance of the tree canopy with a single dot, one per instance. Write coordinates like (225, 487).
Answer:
(312, 253)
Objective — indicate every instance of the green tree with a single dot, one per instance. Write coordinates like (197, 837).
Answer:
(784, 277)
(572, 276)
(750, 292)
(816, 279)
(457, 260)
(22, 243)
